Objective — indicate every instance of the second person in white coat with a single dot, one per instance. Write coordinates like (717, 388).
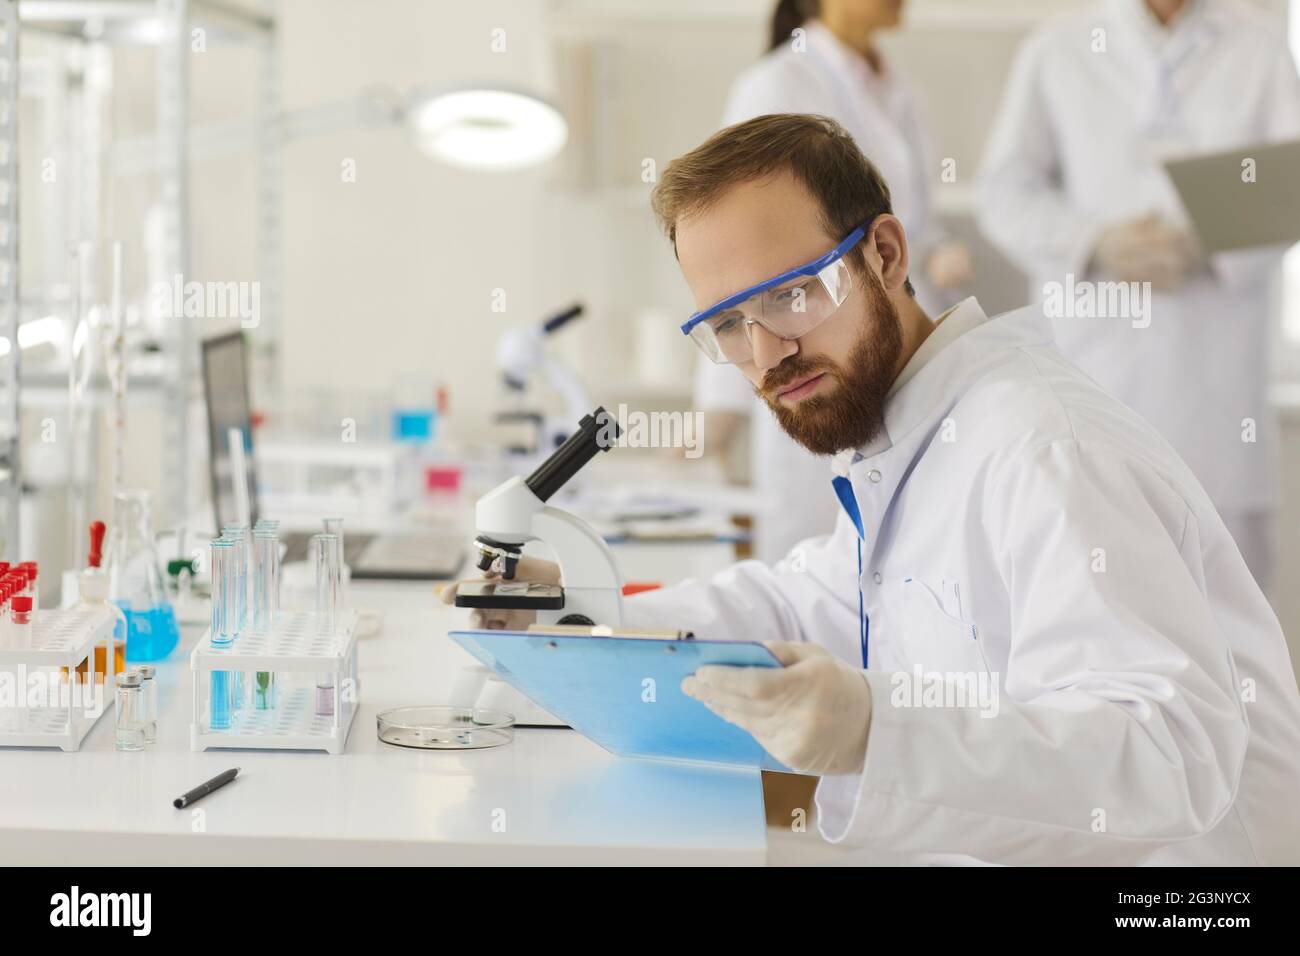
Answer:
(1074, 192)
(824, 60)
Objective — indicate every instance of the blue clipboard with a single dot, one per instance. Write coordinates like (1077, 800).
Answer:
(624, 693)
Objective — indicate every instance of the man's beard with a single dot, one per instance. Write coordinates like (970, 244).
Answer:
(852, 413)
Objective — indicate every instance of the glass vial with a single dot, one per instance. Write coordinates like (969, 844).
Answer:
(130, 711)
(149, 691)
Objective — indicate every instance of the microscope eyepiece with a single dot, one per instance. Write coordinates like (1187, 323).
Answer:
(596, 432)
(561, 318)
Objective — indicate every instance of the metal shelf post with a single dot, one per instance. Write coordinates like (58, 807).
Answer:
(10, 422)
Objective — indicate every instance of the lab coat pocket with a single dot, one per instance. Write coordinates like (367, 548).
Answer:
(933, 639)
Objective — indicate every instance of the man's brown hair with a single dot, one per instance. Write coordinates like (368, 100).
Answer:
(817, 151)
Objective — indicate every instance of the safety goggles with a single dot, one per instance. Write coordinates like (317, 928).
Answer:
(789, 306)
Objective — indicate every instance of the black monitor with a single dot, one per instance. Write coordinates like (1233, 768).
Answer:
(225, 391)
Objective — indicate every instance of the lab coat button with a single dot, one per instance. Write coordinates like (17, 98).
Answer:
(877, 577)
(873, 476)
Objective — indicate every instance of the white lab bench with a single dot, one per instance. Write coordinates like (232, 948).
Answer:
(551, 796)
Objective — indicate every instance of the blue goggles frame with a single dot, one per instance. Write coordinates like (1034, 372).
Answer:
(806, 270)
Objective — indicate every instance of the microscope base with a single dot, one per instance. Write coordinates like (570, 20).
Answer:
(476, 686)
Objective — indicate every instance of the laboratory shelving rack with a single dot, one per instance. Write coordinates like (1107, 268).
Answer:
(61, 638)
(167, 153)
(291, 647)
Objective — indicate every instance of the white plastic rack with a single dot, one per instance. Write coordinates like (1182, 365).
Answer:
(69, 704)
(291, 649)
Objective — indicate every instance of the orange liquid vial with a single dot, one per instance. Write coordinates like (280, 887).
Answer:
(119, 662)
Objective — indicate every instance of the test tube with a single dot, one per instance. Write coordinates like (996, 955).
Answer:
(223, 629)
(266, 589)
(20, 622)
(238, 533)
(334, 526)
(265, 547)
(6, 593)
(33, 582)
(274, 528)
(328, 553)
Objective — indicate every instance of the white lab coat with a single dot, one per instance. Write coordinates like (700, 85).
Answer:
(880, 111)
(882, 114)
(1021, 524)
(1076, 147)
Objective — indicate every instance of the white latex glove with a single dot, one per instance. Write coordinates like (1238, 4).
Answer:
(813, 714)
(949, 265)
(533, 570)
(1148, 249)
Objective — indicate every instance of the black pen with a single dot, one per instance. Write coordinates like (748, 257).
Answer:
(203, 789)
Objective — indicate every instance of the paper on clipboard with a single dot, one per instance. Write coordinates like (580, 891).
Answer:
(625, 694)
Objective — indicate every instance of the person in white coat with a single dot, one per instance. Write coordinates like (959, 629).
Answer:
(824, 59)
(1074, 191)
(1030, 638)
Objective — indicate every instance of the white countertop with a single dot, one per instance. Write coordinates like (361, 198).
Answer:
(561, 798)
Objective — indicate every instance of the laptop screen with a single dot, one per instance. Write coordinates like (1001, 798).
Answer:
(225, 389)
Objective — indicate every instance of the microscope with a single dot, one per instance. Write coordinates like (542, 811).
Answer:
(590, 590)
(522, 351)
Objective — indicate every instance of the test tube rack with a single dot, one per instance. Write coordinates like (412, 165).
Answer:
(291, 647)
(61, 638)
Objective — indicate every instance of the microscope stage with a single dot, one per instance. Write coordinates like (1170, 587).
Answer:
(510, 595)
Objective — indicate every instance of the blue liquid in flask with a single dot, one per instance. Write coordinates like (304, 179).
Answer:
(151, 634)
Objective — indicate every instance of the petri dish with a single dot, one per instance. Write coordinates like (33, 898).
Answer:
(434, 727)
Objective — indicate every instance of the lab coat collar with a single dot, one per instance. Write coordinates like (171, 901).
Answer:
(961, 347)
(1137, 20)
(962, 317)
